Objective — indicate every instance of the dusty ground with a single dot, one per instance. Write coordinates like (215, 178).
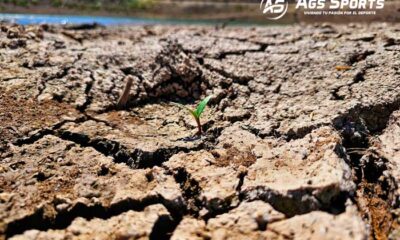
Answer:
(302, 135)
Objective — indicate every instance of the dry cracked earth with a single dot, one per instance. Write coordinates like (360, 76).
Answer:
(302, 134)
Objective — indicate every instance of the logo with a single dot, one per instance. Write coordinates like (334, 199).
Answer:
(274, 9)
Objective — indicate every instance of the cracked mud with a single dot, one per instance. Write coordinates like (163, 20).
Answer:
(301, 136)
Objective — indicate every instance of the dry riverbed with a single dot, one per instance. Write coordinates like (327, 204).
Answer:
(302, 134)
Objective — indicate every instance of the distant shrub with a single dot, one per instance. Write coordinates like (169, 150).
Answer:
(138, 4)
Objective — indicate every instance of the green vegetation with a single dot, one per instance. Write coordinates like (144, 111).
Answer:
(22, 3)
(138, 4)
(88, 4)
(56, 3)
(197, 112)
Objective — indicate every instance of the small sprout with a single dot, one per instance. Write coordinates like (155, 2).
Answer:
(123, 99)
(197, 112)
(342, 68)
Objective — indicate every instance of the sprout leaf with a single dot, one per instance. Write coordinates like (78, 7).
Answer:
(186, 108)
(196, 113)
(201, 106)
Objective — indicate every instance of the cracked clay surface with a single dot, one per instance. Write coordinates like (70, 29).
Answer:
(301, 135)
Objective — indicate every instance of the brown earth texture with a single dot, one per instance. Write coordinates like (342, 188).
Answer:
(301, 136)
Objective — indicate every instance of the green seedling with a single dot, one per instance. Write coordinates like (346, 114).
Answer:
(197, 112)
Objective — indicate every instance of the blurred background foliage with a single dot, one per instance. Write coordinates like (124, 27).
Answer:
(93, 4)
(226, 10)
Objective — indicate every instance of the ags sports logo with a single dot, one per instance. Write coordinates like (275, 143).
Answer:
(274, 9)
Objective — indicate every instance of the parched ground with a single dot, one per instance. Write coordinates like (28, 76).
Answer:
(302, 134)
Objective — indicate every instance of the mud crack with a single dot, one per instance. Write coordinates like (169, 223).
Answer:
(373, 194)
(134, 158)
(42, 219)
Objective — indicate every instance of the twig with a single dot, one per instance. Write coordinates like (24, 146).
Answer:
(123, 100)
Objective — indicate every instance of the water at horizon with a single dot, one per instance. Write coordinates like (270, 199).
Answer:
(26, 19)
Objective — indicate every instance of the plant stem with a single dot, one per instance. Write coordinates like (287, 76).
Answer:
(199, 132)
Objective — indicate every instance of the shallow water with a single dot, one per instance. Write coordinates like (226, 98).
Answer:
(25, 19)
